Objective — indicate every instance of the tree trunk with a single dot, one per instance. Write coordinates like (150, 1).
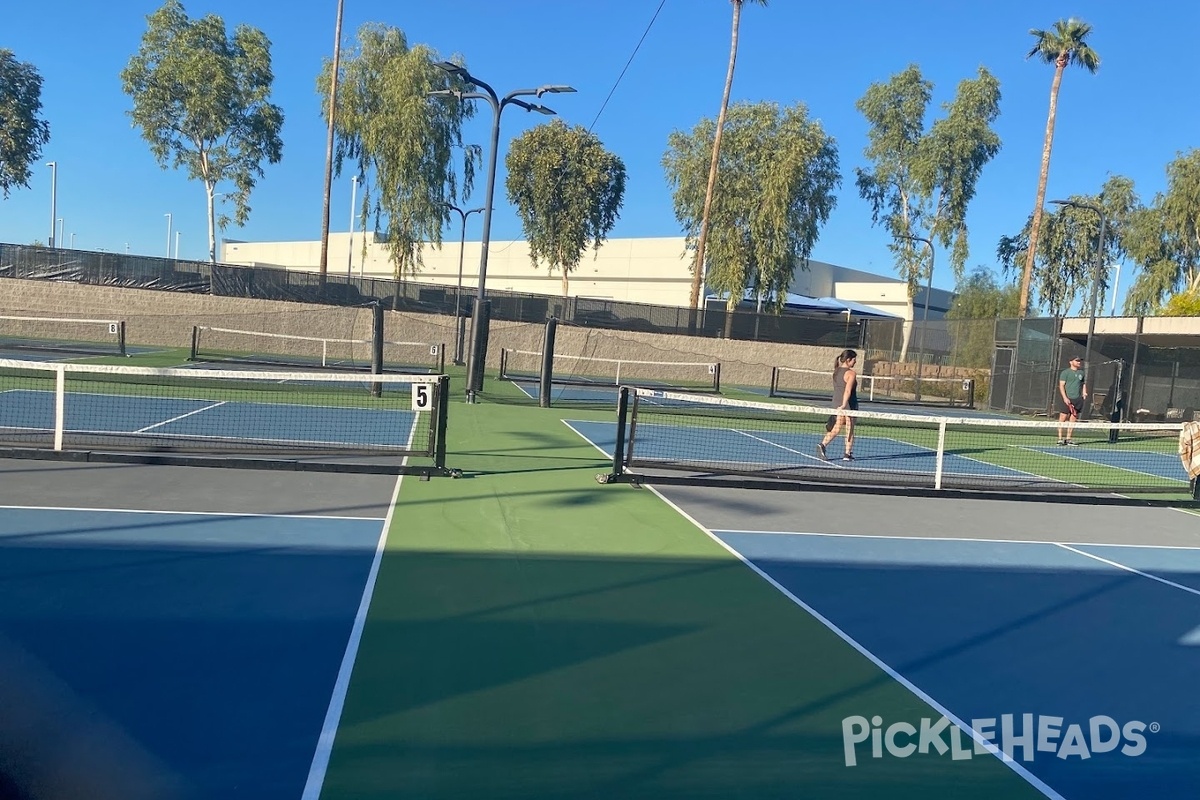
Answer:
(212, 227)
(698, 270)
(1035, 230)
(565, 284)
(333, 89)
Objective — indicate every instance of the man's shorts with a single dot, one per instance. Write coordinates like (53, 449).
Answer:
(1061, 407)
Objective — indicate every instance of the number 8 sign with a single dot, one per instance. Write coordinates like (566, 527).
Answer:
(422, 396)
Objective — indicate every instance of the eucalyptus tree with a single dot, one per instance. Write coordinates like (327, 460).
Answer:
(388, 127)
(979, 300)
(922, 178)
(1164, 240)
(1067, 264)
(699, 266)
(567, 189)
(775, 189)
(201, 99)
(1063, 45)
(23, 132)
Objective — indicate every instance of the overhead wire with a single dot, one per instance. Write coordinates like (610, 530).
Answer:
(627, 63)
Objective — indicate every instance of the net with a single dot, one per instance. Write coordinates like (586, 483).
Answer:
(75, 407)
(525, 365)
(229, 345)
(712, 436)
(812, 384)
(63, 335)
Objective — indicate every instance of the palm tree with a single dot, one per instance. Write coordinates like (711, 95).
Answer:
(1065, 44)
(698, 271)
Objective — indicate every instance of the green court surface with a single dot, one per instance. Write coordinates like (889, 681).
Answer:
(533, 634)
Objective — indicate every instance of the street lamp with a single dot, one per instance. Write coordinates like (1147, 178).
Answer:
(177, 234)
(53, 165)
(168, 216)
(474, 371)
(1087, 350)
(61, 226)
(350, 259)
(925, 318)
(458, 318)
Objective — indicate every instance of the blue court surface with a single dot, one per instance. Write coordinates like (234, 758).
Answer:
(174, 655)
(748, 449)
(213, 420)
(1078, 662)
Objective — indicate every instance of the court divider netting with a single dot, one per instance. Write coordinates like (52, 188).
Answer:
(345, 422)
(692, 438)
(103, 337)
(817, 385)
(214, 344)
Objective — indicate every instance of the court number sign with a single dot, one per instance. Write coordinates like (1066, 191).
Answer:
(422, 396)
(113, 328)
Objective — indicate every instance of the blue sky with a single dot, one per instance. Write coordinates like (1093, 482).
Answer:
(1130, 118)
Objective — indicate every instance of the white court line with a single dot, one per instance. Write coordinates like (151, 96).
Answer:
(185, 513)
(1016, 767)
(337, 701)
(181, 416)
(788, 449)
(608, 456)
(1126, 568)
(959, 539)
(1079, 459)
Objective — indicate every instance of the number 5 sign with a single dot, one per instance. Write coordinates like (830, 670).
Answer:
(422, 396)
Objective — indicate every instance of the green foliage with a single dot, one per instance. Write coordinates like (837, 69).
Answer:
(1066, 260)
(202, 101)
(1065, 44)
(979, 301)
(1165, 241)
(22, 132)
(388, 125)
(1183, 304)
(775, 187)
(567, 190)
(921, 182)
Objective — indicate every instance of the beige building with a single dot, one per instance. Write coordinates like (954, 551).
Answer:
(649, 270)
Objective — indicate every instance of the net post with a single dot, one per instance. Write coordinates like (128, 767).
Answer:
(774, 382)
(717, 377)
(1118, 402)
(376, 347)
(441, 357)
(60, 405)
(503, 363)
(443, 413)
(195, 343)
(941, 455)
(121, 337)
(618, 465)
(546, 376)
(970, 392)
(477, 358)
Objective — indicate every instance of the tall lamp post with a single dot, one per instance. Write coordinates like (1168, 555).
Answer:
(168, 216)
(925, 316)
(53, 165)
(350, 260)
(475, 369)
(1087, 350)
(458, 317)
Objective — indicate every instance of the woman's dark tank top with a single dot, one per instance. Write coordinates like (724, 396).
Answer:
(839, 388)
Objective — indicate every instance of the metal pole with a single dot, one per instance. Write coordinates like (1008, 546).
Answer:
(1087, 352)
(177, 233)
(925, 316)
(61, 226)
(462, 245)
(350, 260)
(168, 216)
(53, 165)
(1116, 284)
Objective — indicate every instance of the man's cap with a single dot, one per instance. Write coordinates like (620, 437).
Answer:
(1077, 358)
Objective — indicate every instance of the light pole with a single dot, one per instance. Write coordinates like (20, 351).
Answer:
(61, 226)
(1116, 284)
(1087, 350)
(53, 165)
(350, 260)
(458, 318)
(177, 233)
(474, 370)
(925, 317)
(168, 216)
(72, 241)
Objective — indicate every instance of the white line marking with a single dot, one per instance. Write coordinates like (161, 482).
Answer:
(958, 539)
(183, 513)
(1033, 780)
(333, 714)
(784, 447)
(1121, 566)
(608, 456)
(181, 416)
(1081, 460)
